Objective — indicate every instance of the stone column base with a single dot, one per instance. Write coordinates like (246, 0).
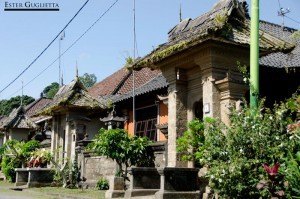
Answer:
(114, 194)
(139, 192)
(177, 194)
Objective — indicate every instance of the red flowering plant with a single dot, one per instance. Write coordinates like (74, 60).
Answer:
(274, 185)
(39, 158)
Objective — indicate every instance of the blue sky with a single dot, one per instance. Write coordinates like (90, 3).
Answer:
(103, 49)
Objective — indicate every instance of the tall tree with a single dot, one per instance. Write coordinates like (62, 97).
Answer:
(6, 106)
(88, 80)
(51, 90)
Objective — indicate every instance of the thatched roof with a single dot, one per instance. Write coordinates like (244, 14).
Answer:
(227, 22)
(17, 119)
(73, 95)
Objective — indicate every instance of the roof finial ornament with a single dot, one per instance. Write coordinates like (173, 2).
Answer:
(76, 70)
(180, 14)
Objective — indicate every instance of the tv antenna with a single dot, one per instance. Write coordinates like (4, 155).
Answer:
(282, 12)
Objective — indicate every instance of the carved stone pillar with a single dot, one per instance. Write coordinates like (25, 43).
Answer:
(177, 115)
(210, 93)
(232, 89)
(68, 138)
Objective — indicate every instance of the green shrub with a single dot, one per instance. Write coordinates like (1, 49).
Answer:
(235, 154)
(15, 154)
(102, 184)
(125, 150)
(191, 140)
(8, 166)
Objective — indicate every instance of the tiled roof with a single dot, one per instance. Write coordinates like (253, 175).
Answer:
(118, 89)
(226, 22)
(158, 82)
(141, 78)
(17, 119)
(279, 59)
(109, 84)
(36, 106)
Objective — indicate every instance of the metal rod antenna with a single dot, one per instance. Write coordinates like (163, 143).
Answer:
(59, 61)
(62, 36)
(22, 94)
(282, 12)
(133, 73)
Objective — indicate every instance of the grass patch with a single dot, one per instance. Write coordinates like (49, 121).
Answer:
(5, 184)
(49, 192)
(77, 193)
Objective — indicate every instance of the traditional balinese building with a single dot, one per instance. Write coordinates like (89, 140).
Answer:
(1, 133)
(21, 124)
(200, 64)
(43, 132)
(117, 89)
(17, 125)
(75, 116)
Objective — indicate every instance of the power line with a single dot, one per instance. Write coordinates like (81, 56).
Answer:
(93, 24)
(293, 19)
(45, 48)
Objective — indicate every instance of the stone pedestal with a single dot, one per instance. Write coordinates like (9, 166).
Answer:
(144, 181)
(159, 151)
(116, 188)
(178, 183)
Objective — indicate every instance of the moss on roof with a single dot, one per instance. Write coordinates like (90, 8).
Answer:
(226, 22)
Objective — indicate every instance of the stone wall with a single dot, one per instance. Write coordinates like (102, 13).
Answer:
(18, 134)
(93, 127)
(95, 167)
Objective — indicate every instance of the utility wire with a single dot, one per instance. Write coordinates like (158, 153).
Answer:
(39, 74)
(293, 19)
(45, 48)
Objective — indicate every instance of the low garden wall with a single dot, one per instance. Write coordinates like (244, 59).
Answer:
(34, 177)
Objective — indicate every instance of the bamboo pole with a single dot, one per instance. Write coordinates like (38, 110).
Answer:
(254, 54)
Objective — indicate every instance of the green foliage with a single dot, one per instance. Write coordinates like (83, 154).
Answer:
(191, 140)
(88, 80)
(235, 154)
(28, 147)
(68, 175)
(8, 165)
(125, 150)
(221, 19)
(292, 174)
(6, 106)
(129, 60)
(102, 184)
(51, 90)
(57, 178)
(15, 154)
(296, 35)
